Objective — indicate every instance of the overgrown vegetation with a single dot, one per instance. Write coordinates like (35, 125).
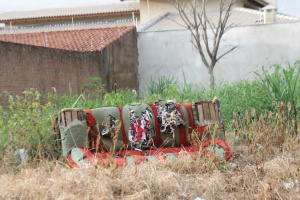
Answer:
(281, 85)
(264, 141)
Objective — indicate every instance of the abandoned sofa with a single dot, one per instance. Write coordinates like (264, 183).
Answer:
(141, 132)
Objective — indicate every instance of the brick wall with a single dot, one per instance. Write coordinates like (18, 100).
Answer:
(24, 66)
(120, 61)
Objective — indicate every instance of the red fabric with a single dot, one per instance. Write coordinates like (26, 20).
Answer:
(131, 153)
(199, 129)
(139, 131)
(100, 158)
(139, 156)
(90, 119)
(157, 141)
(173, 150)
(190, 114)
(222, 144)
(183, 139)
(122, 125)
(139, 159)
(69, 160)
(120, 162)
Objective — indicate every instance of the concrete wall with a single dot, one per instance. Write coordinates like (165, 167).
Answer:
(23, 67)
(171, 52)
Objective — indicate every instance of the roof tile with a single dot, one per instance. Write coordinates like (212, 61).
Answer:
(87, 40)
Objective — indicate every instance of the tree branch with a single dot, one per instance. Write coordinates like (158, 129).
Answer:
(227, 52)
(198, 23)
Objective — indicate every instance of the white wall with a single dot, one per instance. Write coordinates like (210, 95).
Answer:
(272, 2)
(169, 52)
(161, 7)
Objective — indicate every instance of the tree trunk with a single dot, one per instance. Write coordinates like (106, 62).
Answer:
(211, 78)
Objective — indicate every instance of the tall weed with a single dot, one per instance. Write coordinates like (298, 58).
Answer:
(282, 85)
(26, 124)
(161, 86)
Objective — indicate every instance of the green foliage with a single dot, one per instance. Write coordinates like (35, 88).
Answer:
(26, 124)
(118, 98)
(282, 85)
(236, 96)
(170, 88)
(94, 89)
(239, 96)
(161, 86)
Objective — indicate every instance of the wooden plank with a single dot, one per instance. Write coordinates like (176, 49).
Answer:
(63, 119)
(80, 115)
(200, 113)
(74, 115)
(207, 116)
(217, 112)
(68, 117)
(212, 112)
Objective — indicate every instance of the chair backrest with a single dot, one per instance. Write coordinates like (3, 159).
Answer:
(208, 112)
(68, 115)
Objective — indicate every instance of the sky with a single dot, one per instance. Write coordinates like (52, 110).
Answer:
(291, 7)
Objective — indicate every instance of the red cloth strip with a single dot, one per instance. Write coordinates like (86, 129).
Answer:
(157, 141)
(90, 122)
(90, 119)
(183, 139)
(122, 125)
(189, 109)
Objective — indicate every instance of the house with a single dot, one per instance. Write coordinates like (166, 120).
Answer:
(67, 59)
(70, 15)
(141, 12)
(150, 9)
(238, 16)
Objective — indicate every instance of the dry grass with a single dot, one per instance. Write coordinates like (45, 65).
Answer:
(265, 165)
(185, 179)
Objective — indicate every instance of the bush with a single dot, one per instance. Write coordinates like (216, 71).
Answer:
(94, 89)
(26, 124)
(282, 85)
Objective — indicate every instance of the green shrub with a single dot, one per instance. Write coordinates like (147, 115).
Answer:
(27, 124)
(94, 89)
(282, 85)
(161, 86)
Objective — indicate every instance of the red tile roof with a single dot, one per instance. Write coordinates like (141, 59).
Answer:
(86, 40)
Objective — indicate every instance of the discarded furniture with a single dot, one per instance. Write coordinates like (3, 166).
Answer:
(141, 128)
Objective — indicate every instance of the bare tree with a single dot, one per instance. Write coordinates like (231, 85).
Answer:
(194, 15)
